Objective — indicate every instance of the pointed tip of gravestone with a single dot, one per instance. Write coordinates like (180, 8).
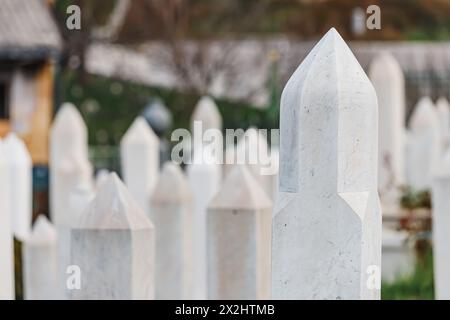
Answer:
(114, 208)
(172, 186)
(207, 111)
(442, 106)
(424, 115)
(331, 55)
(384, 65)
(15, 149)
(68, 119)
(101, 176)
(240, 191)
(43, 233)
(139, 132)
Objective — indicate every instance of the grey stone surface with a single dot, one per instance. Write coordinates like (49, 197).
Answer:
(327, 219)
(238, 239)
(172, 213)
(113, 245)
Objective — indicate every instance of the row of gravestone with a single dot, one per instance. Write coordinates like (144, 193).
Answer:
(407, 156)
(166, 236)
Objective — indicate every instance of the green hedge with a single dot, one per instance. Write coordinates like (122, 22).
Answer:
(109, 107)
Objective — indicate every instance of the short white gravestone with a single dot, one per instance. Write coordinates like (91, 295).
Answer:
(252, 150)
(238, 239)
(113, 246)
(69, 162)
(207, 112)
(389, 82)
(423, 149)
(139, 151)
(441, 236)
(204, 181)
(327, 220)
(172, 214)
(40, 256)
(443, 112)
(20, 185)
(6, 234)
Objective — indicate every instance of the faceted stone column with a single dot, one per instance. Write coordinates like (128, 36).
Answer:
(327, 220)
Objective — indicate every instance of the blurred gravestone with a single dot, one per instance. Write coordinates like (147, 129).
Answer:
(40, 256)
(238, 239)
(423, 148)
(204, 181)
(387, 78)
(6, 234)
(20, 185)
(140, 161)
(113, 247)
(171, 211)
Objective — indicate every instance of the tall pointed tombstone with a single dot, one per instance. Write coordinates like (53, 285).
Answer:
(7, 291)
(139, 150)
(69, 161)
(443, 112)
(327, 220)
(40, 256)
(20, 185)
(113, 247)
(171, 213)
(424, 147)
(387, 78)
(238, 239)
(204, 179)
(69, 168)
(441, 223)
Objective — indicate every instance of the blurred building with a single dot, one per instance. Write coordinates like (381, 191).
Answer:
(426, 65)
(29, 47)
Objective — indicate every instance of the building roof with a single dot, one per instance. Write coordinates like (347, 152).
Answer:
(27, 30)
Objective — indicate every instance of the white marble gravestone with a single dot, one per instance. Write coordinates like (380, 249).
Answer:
(20, 185)
(113, 246)
(171, 210)
(443, 112)
(238, 239)
(69, 168)
(7, 290)
(441, 235)
(139, 150)
(424, 148)
(40, 259)
(207, 112)
(389, 83)
(253, 151)
(204, 181)
(327, 219)
(69, 161)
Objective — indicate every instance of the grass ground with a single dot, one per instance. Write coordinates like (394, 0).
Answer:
(417, 286)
